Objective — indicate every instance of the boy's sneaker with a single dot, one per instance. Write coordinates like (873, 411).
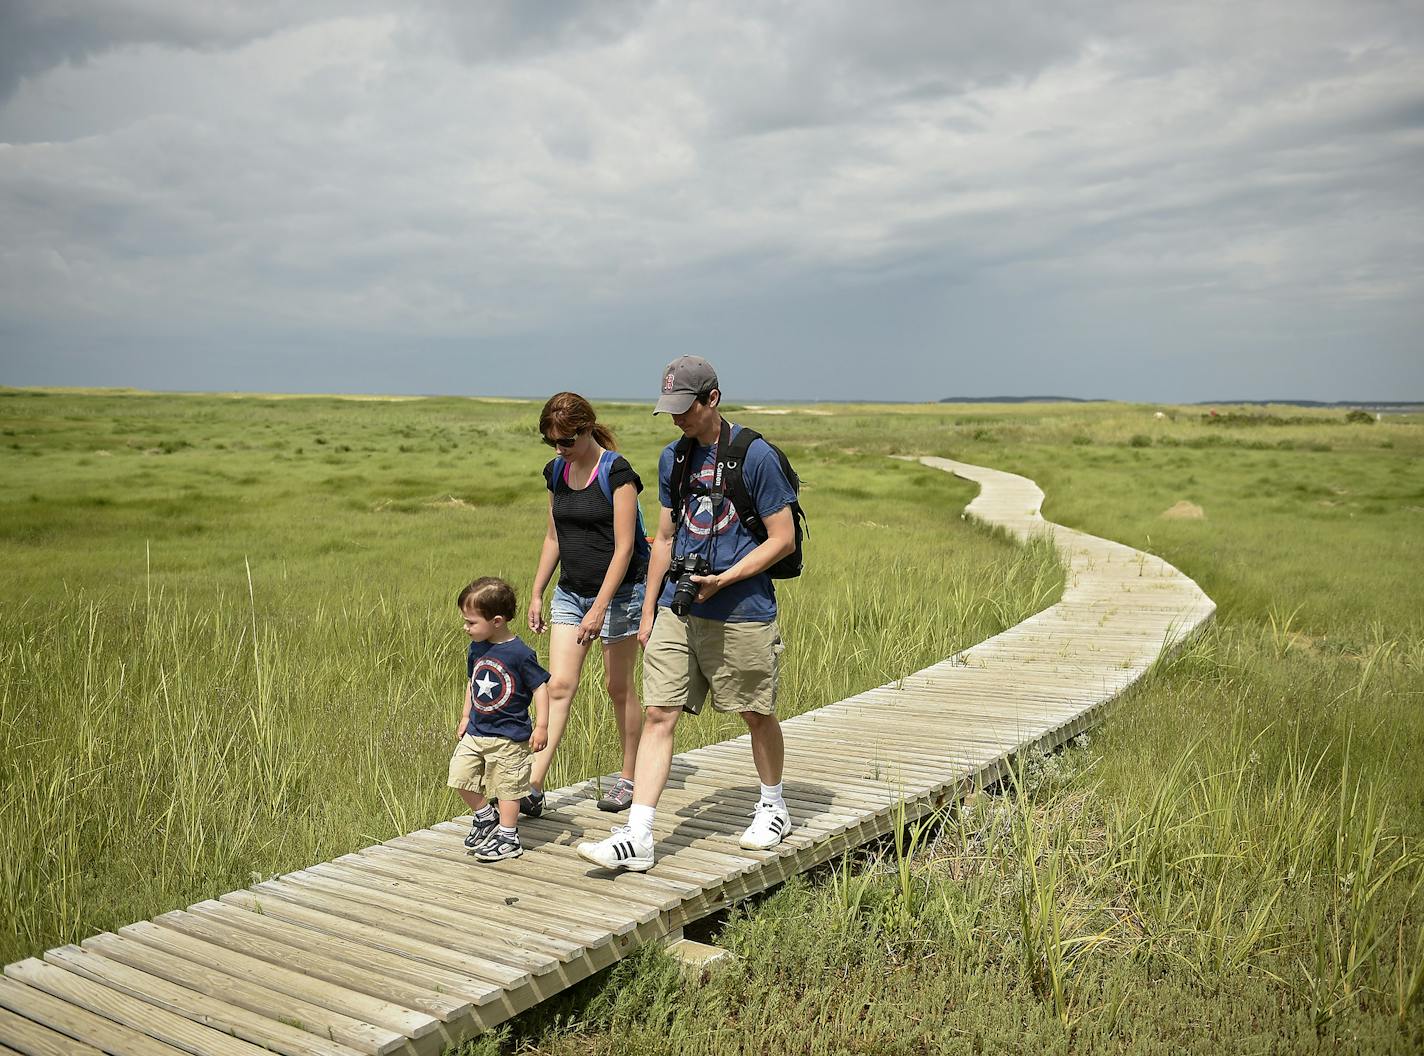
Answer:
(622, 850)
(618, 797)
(497, 847)
(532, 805)
(770, 824)
(480, 830)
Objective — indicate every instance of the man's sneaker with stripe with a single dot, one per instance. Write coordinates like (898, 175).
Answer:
(622, 850)
(770, 824)
(618, 797)
(497, 847)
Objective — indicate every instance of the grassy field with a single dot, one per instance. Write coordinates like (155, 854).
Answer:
(233, 648)
(1231, 864)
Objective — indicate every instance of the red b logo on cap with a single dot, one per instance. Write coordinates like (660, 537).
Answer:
(668, 382)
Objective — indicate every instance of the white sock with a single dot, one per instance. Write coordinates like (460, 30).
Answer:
(772, 794)
(508, 833)
(484, 813)
(640, 819)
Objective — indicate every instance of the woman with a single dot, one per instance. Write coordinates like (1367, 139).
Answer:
(594, 536)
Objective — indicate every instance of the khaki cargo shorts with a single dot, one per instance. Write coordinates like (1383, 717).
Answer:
(687, 655)
(495, 767)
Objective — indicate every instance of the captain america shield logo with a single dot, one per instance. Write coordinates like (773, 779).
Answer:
(491, 685)
(699, 519)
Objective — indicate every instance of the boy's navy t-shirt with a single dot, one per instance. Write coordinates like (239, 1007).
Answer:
(718, 534)
(502, 680)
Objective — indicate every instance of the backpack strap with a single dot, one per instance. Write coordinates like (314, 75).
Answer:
(605, 466)
(678, 478)
(731, 462)
(557, 472)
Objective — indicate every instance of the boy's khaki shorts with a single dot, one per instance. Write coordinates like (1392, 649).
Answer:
(495, 767)
(687, 655)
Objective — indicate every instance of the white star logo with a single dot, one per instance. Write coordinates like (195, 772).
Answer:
(704, 505)
(487, 685)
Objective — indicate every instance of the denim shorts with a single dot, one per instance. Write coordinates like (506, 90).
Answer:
(621, 620)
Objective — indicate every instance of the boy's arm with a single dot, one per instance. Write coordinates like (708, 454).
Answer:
(464, 715)
(540, 737)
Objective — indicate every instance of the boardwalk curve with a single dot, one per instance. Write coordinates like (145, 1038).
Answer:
(409, 947)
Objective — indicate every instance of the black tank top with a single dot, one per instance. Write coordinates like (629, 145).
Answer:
(583, 524)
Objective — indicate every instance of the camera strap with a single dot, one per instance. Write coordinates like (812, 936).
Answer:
(718, 492)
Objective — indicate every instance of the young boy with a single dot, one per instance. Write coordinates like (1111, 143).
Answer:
(497, 742)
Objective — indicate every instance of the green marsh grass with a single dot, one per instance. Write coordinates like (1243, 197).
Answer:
(231, 660)
(1230, 862)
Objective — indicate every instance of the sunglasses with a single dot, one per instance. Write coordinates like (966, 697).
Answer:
(562, 441)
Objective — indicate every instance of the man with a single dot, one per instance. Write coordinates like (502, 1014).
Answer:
(728, 643)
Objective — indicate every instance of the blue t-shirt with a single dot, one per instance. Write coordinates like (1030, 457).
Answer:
(718, 534)
(502, 680)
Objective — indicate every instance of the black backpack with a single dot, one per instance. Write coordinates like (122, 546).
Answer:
(731, 454)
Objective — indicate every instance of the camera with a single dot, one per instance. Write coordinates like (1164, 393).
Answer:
(684, 592)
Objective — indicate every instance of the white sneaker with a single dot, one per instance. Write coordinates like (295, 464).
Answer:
(770, 824)
(622, 850)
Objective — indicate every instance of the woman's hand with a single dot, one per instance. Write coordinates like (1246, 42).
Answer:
(536, 615)
(591, 626)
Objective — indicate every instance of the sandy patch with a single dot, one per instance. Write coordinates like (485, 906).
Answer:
(1184, 511)
(758, 409)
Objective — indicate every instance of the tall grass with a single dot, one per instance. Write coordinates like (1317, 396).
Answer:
(169, 735)
(1232, 864)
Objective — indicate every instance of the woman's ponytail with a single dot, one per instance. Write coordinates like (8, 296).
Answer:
(567, 413)
(603, 436)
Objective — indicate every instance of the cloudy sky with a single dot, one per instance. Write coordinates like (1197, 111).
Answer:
(1137, 200)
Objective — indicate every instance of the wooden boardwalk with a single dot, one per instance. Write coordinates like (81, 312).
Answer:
(410, 946)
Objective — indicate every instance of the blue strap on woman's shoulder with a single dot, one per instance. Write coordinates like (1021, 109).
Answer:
(605, 465)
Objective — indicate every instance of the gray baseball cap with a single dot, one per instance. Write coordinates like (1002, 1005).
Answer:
(684, 379)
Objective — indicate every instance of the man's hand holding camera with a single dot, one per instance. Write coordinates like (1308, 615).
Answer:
(708, 585)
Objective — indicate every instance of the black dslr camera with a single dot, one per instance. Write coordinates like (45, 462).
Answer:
(684, 592)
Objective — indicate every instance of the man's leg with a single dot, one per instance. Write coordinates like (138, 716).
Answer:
(745, 681)
(768, 749)
(654, 754)
(671, 680)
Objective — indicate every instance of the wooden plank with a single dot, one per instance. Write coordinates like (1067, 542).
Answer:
(35, 1039)
(463, 890)
(538, 902)
(269, 1004)
(315, 912)
(78, 1023)
(170, 1014)
(509, 942)
(362, 977)
(180, 1001)
(442, 980)
(620, 903)
(361, 1007)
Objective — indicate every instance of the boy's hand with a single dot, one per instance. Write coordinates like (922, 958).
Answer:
(539, 739)
(460, 728)
(536, 616)
(645, 627)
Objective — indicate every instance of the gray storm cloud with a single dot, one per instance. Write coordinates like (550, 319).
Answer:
(1141, 201)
